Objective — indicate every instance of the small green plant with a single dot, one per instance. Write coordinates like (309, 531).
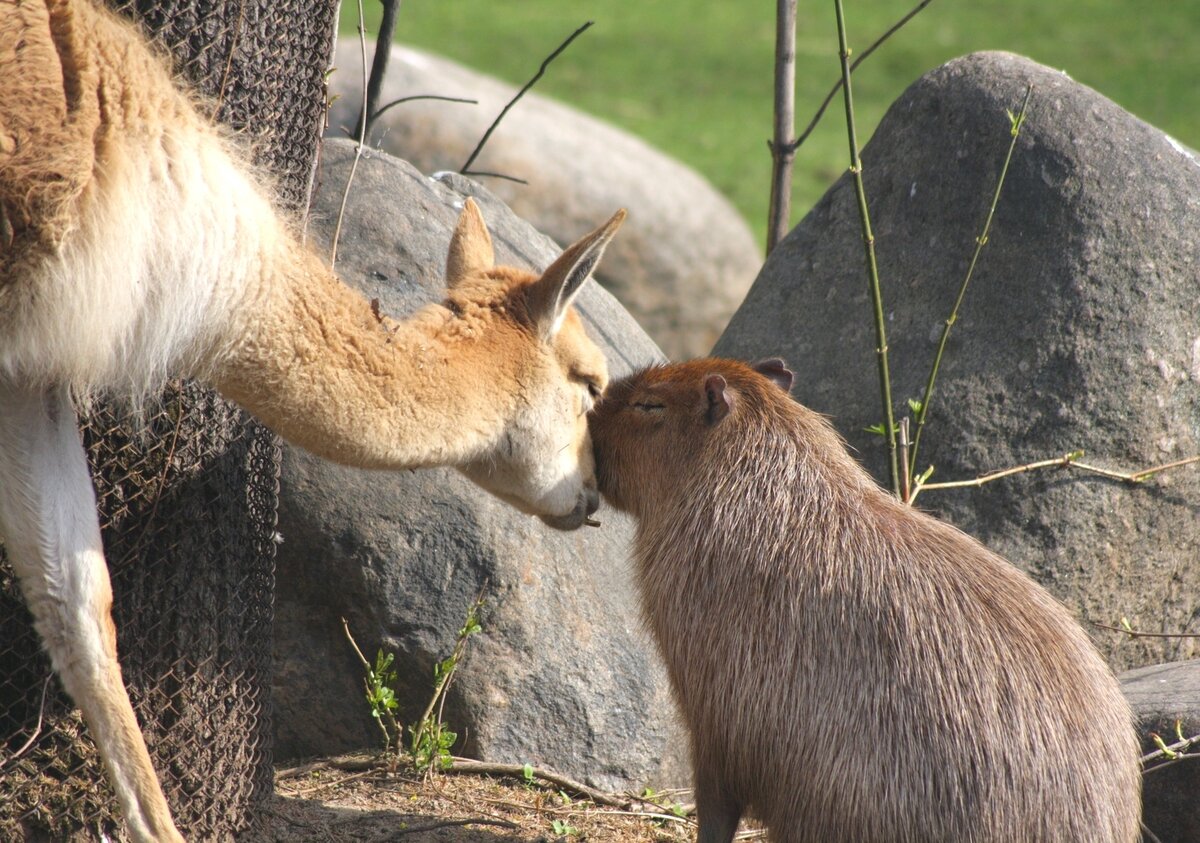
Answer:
(381, 696)
(429, 739)
(561, 827)
(379, 682)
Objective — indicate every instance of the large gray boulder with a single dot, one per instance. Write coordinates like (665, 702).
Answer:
(562, 674)
(1079, 330)
(685, 256)
(1166, 699)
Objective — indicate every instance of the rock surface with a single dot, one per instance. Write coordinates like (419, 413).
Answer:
(685, 257)
(562, 674)
(1079, 330)
(1162, 696)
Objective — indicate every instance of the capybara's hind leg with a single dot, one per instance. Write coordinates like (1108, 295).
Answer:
(717, 810)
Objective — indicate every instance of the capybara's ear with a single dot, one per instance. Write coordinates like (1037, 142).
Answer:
(774, 369)
(720, 398)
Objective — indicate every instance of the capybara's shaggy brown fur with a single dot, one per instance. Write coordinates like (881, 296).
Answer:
(849, 668)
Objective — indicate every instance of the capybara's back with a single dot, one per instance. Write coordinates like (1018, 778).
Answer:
(849, 668)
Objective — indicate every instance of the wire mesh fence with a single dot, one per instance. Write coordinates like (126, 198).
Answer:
(187, 497)
(188, 503)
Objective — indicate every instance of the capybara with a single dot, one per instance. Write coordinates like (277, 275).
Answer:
(848, 667)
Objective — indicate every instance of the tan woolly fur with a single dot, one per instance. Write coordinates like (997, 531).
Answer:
(848, 667)
(137, 243)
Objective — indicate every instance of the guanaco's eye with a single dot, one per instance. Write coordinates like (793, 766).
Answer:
(591, 397)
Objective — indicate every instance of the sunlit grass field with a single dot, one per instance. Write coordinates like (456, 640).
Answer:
(695, 79)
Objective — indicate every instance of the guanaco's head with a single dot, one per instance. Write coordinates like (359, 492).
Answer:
(540, 368)
(660, 430)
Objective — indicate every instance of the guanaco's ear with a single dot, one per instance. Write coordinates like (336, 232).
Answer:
(720, 398)
(774, 369)
(551, 295)
(470, 246)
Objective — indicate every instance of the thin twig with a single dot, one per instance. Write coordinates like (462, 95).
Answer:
(1137, 476)
(905, 474)
(453, 824)
(358, 146)
(1068, 460)
(465, 169)
(387, 737)
(468, 765)
(1173, 750)
(812, 124)
(353, 763)
(384, 109)
(980, 242)
(486, 173)
(881, 349)
(346, 628)
(234, 47)
(37, 729)
(1057, 462)
(308, 791)
(379, 63)
(1135, 633)
(782, 151)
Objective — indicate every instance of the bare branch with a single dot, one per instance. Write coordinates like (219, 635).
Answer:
(498, 823)
(383, 51)
(37, 729)
(358, 146)
(623, 802)
(346, 628)
(923, 411)
(1172, 752)
(812, 124)
(487, 174)
(1069, 460)
(782, 150)
(541, 71)
(1135, 633)
(868, 238)
(384, 109)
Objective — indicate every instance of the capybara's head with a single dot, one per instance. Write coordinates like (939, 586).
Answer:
(665, 427)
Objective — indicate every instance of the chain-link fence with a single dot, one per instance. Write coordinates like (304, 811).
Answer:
(188, 507)
(187, 499)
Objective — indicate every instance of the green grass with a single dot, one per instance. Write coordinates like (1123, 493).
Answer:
(695, 79)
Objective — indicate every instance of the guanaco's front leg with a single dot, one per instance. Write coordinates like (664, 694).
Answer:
(49, 527)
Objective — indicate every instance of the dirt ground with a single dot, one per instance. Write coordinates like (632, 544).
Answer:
(359, 800)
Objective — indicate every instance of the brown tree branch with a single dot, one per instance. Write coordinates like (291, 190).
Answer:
(1134, 633)
(385, 108)
(1174, 752)
(379, 63)
(1069, 460)
(358, 147)
(783, 153)
(465, 169)
(37, 729)
(812, 124)
(498, 823)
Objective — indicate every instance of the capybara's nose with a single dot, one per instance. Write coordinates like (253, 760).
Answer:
(593, 499)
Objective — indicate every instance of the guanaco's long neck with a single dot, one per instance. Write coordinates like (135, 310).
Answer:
(317, 366)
